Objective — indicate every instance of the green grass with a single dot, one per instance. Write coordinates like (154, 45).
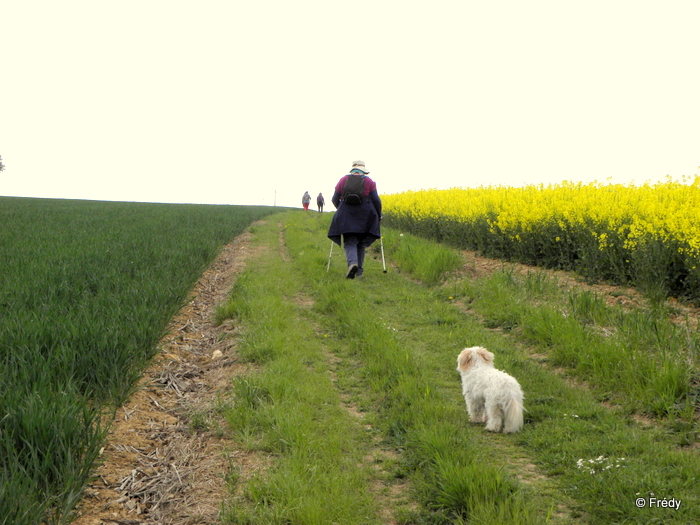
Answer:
(289, 409)
(86, 291)
(389, 344)
(353, 407)
(426, 260)
(635, 357)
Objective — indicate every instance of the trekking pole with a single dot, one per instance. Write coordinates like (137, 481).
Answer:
(381, 245)
(329, 258)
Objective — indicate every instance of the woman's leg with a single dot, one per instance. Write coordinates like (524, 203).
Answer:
(362, 246)
(350, 243)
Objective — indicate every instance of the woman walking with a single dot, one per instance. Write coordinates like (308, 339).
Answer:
(356, 221)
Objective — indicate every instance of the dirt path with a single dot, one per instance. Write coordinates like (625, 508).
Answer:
(162, 464)
(164, 461)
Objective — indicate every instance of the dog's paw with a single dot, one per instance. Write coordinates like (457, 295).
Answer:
(494, 425)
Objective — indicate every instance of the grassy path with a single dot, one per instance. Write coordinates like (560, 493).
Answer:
(355, 415)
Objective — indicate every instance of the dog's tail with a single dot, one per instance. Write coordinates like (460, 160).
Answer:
(513, 416)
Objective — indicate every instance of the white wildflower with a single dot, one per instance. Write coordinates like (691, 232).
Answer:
(601, 464)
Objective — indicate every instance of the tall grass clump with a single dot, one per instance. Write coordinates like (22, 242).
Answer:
(86, 292)
(426, 260)
(640, 235)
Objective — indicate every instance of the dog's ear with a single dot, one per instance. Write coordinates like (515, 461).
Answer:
(464, 360)
(485, 355)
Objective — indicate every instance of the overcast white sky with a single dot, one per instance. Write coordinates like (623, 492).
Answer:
(234, 102)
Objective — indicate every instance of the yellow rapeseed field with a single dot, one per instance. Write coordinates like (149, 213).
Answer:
(620, 232)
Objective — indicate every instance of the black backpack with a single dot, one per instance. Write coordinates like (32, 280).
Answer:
(353, 190)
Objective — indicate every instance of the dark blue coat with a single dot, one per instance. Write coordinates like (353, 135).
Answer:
(361, 218)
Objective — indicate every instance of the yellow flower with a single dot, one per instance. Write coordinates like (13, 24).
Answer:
(619, 217)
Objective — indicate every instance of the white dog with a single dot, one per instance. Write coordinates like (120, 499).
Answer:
(486, 388)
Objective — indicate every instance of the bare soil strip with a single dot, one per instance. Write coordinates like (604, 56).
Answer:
(155, 469)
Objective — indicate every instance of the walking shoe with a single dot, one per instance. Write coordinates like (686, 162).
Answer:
(352, 270)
